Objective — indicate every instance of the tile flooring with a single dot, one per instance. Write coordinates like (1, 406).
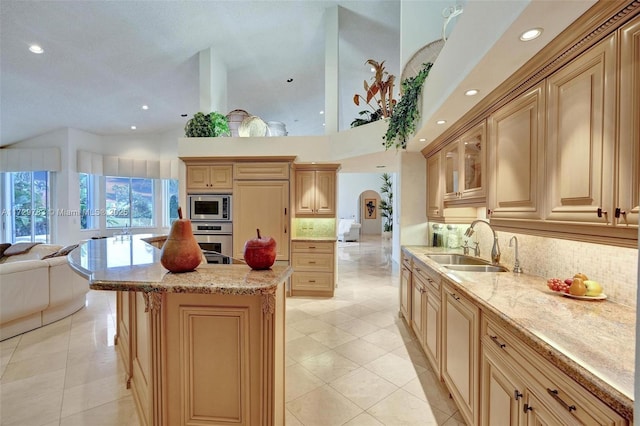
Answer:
(350, 360)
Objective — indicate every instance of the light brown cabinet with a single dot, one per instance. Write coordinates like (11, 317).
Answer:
(261, 205)
(208, 178)
(315, 191)
(460, 351)
(464, 165)
(314, 268)
(406, 288)
(581, 131)
(435, 207)
(501, 391)
(425, 312)
(516, 158)
(261, 170)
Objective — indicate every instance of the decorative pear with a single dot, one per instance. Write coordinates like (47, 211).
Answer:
(181, 252)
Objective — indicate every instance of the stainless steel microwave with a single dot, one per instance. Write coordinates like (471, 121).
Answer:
(210, 207)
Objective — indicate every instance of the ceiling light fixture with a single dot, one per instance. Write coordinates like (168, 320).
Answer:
(471, 92)
(531, 34)
(321, 112)
(373, 69)
(145, 107)
(289, 80)
(441, 121)
(422, 140)
(133, 127)
(34, 48)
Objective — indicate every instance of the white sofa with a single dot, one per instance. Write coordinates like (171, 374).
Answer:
(348, 230)
(36, 292)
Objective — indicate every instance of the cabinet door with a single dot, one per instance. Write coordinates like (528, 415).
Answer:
(473, 162)
(305, 192)
(501, 392)
(580, 136)
(434, 187)
(418, 301)
(261, 205)
(221, 177)
(325, 194)
(405, 292)
(432, 331)
(124, 333)
(516, 146)
(460, 352)
(451, 164)
(537, 413)
(197, 177)
(629, 140)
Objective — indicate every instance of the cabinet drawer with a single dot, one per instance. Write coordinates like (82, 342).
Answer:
(406, 262)
(252, 171)
(312, 247)
(557, 390)
(429, 276)
(312, 262)
(311, 282)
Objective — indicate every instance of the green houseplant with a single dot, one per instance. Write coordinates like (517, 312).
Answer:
(209, 125)
(381, 91)
(406, 114)
(386, 203)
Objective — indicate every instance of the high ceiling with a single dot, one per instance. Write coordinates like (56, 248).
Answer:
(103, 60)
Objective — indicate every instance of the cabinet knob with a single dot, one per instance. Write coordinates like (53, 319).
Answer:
(602, 212)
(517, 395)
(527, 407)
(619, 212)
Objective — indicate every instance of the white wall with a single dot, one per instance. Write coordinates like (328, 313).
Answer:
(370, 226)
(412, 212)
(350, 186)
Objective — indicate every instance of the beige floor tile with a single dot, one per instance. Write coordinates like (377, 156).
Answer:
(35, 366)
(323, 407)
(101, 365)
(329, 365)
(363, 387)
(35, 400)
(304, 347)
(363, 419)
(360, 351)
(288, 361)
(295, 315)
(335, 318)
(316, 308)
(93, 394)
(292, 334)
(357, 327)
(428, 388)
(121, 412)
(381, 319)
(395, 369)
(357, 311)
(332, 337)
(412, 351)
(384, 339)
(290, 419)
(299, 381)
(455, 420)
(403, 409)
(309, 326)
(401, 328)
(48, 344)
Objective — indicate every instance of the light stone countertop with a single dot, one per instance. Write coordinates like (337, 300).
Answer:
(591, 341)
(132, 264)
(316, 239)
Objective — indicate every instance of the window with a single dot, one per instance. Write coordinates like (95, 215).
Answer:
(170, 201)
(88, 202)
(129, 202)
(29, 201)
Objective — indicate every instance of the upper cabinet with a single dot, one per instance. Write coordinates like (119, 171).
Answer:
(464, 164)
(435, 209)
(581, 131)
(315, 190)
(627, 198)
(208, 178)
(516, 157)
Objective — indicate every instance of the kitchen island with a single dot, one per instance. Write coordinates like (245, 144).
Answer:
(203, 347)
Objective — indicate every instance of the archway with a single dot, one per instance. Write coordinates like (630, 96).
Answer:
(369, 213)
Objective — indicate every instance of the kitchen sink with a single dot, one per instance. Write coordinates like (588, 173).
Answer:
(477, 268)
(456, 259)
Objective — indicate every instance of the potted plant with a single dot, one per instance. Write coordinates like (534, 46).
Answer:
(381, 91)
(386, 205)
(406, 114)
(209, 125)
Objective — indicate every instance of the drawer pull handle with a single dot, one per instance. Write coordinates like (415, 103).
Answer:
(312, 281)
(312, 261)
(500, 345)
(312, 247)
(454, 296)
(554, 394)
(527, 407)
(517, 395)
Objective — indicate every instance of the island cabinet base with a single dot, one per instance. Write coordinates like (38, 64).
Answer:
(206, 359)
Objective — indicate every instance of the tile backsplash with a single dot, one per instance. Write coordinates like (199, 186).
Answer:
(313, 228)
(613, 267)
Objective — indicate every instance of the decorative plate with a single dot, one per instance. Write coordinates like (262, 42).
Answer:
(601, 296)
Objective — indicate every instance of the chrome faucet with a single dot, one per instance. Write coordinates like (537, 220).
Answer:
(516, 267)
(495, 250)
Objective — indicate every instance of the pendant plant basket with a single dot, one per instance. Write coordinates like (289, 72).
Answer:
(209, 125)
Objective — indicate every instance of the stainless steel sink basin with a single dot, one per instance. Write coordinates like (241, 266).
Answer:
(456, 259)
(477, 268)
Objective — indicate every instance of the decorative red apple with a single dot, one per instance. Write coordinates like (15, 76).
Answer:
(260, 253)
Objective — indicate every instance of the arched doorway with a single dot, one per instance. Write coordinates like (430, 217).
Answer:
(369, 213)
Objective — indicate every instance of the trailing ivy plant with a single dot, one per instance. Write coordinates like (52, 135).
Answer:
(402, 124)
(207, 126)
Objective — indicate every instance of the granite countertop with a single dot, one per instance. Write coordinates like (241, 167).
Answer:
(130, 263)
(316, 239)
(591, 341)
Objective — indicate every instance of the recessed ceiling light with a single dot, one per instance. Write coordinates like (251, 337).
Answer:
(373, 69)
(471, 92)
(441, 121)
(183, 115)
(289, 80)
(321, 112)
(145, 107)
(36, 49)
(531, 34)
(133, 127)
(422, 140)
(324, 124)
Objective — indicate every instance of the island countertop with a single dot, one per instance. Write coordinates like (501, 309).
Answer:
(591, 341)
(130, 263)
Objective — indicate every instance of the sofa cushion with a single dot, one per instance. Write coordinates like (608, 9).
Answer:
(62, 252)
(19, 248)
(3, 247)
(37, 252)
